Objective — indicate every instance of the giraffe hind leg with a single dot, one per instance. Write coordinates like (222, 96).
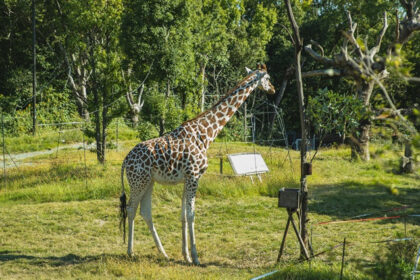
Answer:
(191, 188)
(185, 252)
(132, 206)
(146, 213)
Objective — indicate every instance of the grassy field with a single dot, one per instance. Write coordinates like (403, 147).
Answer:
(59, 218)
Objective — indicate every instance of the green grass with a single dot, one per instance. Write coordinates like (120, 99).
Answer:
(60, 218)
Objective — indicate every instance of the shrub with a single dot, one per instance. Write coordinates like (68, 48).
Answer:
(397, 262)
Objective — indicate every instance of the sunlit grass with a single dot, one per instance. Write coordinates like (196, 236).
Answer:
(60, 217)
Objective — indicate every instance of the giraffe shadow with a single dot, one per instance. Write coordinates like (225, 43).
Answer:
(73, 259)
(66, 260)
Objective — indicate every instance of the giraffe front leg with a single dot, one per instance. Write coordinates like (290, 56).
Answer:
(184, 229)
(191, 189)
(131, 214)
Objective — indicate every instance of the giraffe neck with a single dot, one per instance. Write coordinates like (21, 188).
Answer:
(209, 124)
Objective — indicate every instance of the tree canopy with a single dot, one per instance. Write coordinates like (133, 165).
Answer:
(185, 54)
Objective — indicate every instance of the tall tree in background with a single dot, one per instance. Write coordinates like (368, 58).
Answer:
(365, 66)
(158, 33)
(89, 43)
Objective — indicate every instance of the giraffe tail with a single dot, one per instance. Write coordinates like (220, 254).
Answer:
(123, 203)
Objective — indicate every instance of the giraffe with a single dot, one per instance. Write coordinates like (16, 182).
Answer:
(180, 156)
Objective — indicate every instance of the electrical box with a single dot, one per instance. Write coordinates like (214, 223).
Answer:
(289, 198)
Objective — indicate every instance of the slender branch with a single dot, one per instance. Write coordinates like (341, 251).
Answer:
(318, 46)
(397, 112)
(397, 27)
(324, 72)
(140, 102)
(296, 34)
(377, 46)
(350, 35)
(288, 32)
(318, 57)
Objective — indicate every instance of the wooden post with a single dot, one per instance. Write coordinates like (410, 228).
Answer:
(298, 43)
(284, 240)
(290, 220)
(342, 259)
(58, 142)
(221, 165)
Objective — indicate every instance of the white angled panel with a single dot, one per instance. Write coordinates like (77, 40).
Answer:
(247, 163)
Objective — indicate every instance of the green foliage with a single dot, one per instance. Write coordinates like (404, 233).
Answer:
(234, 130)
(330, 112)
(397, 262)
(147, 130)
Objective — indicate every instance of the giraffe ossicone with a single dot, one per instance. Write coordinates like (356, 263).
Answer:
(180, 156)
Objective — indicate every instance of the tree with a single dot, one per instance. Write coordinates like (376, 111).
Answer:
(364, 66)
(298, 43)
(88, 40)
(159, 33)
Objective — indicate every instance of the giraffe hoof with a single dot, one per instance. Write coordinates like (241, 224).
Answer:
(196, 262)
(188, 259)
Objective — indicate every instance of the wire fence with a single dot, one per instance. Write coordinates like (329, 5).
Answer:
(69, 145)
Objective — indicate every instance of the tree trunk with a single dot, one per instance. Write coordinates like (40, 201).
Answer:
(94, 90)
(407, 163)
(360, 143)
(161, 126)
(203, 87)
(103, 134)
(135, 119)
(298, 42)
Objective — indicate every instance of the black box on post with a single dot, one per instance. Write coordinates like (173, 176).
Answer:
(289, 198)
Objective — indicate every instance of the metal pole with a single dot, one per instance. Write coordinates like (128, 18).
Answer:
(245, 122)
(34, 69)
(84, 153)
(117, 134)
(4, 148)
(342, 259)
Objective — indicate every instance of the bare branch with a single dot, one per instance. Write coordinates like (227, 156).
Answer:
(318, 46)
(140, 102)
(318, 57)
(296, 34)
(288, 32)
(377, 47)
(412, 79)
(397, 28)
(324, 72)
(129, 96)
(350, 35)
(397, 112)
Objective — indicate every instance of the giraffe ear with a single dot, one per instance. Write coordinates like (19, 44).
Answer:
(259, 66)
(264, 67)
(248, 71)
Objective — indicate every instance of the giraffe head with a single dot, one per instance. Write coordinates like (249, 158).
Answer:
(263, 78)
